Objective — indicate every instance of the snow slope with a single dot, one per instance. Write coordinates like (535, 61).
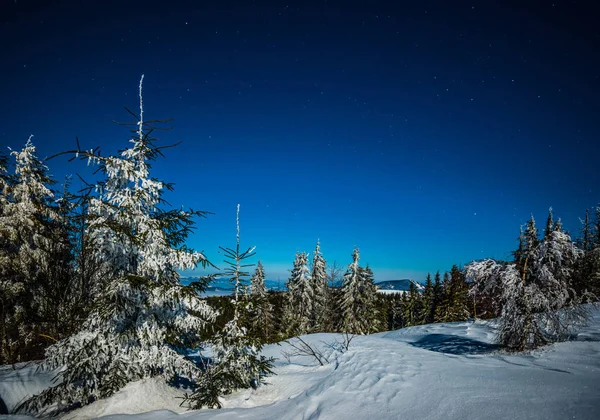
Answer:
(439, 371)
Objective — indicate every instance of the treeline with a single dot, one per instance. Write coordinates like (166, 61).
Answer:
(311, 306)
(541, 291)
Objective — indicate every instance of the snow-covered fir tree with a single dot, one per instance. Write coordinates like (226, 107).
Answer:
(143, 321)
(261, 316)
(538, 304)
(318, 279)
(236, 361)
(298, 311)
(359, 294)
(35, 259)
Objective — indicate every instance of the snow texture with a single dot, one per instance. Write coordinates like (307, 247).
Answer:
(436, 371)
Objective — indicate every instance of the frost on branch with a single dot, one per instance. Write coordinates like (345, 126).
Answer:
(143, 321)
(539, 305)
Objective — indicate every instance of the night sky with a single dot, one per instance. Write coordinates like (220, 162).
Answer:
(422, 132)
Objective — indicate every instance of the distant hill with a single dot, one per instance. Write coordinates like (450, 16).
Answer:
(397, 286)
(224, 287)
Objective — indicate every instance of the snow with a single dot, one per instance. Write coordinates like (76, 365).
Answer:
(437, 371)
(22, 380)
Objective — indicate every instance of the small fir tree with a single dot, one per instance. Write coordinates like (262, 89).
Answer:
(236, 362)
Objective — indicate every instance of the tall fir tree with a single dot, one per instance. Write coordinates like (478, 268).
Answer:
(261, 317)
(458, 296)
(143, 320)
(300, 299)
(413, 307)
(35, 259)
(396, 312)
(428, 301)
(549, 224)
(438, 295)
(358, 299)
(319, 287)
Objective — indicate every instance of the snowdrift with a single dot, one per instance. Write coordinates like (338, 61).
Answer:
(437, 371)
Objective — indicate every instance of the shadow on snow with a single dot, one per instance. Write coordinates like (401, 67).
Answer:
(451, 344)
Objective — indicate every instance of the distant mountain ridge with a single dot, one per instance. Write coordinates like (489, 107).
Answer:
(223, 285)
(403, 285)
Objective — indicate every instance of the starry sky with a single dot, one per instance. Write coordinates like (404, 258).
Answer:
(423, 132)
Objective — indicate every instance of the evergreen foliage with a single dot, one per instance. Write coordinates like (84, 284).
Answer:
(319, 288)
(236, 362)
(142, 319)
(359, 293)
(454, 306)
(35, 259)
(428, 301)
(298, 314)
(539, 306)
(261, 311)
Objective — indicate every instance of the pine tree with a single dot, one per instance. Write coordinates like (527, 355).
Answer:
(300, 299)
(358, 299)
(319, 287)
(143, 320)
(236, 361)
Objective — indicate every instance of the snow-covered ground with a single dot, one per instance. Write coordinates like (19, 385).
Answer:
(438, 371)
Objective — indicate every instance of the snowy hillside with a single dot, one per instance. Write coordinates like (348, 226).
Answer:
(437, 371)
(397, 286)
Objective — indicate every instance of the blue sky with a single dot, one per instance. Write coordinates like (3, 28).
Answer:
(424, 133)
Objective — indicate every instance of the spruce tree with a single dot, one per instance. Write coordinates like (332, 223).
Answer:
(319, 287)
(428, 301)
(458, 309)
(396, 312)
(236, 362)
(358, 299)
(261, 317)
(443, 310)
(413, 307)
(549, 224)
(143, 321)
(438, 295)
(538, 304)
(300, 299)
(35, 259)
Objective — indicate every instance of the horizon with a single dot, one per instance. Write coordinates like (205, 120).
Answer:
(425, 135)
